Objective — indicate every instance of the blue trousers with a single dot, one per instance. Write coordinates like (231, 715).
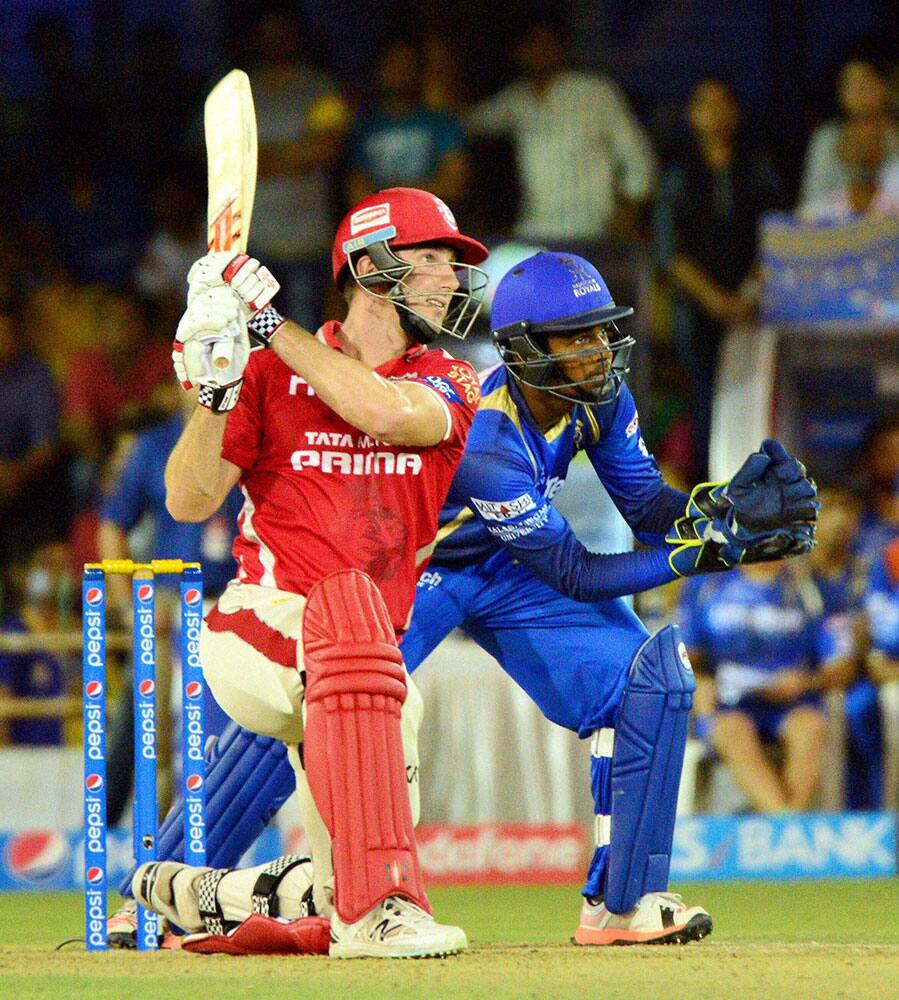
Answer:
(571, 658)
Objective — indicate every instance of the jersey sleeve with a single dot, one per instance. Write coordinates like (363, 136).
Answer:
(243, 431)
(691, 613)
(501, 492)
(125, 503)
(834, 637)
(456, 386)
(631, 476)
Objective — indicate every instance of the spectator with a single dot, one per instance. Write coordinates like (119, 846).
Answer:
(129, 355)
(302, 120)
(871, 185)
(705, 240)
(879, 468)
(398, 141)
(34, 681)
(882, 606)
(841, 577)
(759, 633)
(863, 98)
(584, 161)
(137, 497)
(32, 503)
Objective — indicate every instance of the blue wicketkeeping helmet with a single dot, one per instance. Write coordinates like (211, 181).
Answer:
(558, 293)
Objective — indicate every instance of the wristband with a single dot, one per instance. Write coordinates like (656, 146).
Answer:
(220, 400)
(265, 324)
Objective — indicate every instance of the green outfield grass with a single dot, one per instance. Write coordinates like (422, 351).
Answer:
(799, 940)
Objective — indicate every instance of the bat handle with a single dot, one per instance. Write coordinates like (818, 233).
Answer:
(222, 353)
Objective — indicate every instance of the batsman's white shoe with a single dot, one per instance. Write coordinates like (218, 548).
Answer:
(397, 928)
(658, 918)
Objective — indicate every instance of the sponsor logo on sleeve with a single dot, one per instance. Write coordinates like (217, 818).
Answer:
(444, 387)
(631, 428)
(504, 510)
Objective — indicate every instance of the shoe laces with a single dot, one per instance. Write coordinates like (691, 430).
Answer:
(406, 910)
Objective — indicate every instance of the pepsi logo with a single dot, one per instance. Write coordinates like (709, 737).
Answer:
(146, 688)
(192, 596)
(93, 876)
(36, 855)
(93, 782)
(194, 782)
(93, 689)
(194, 689)
(93, 595)
(145, 592)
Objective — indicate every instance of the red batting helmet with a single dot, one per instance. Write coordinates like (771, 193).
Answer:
(406, 217)
(417, 216)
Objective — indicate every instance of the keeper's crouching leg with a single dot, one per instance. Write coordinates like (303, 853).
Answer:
(352, 746)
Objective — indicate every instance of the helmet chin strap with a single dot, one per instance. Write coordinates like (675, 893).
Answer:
(416, 326)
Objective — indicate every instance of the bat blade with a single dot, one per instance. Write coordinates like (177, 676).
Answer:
(229, 121)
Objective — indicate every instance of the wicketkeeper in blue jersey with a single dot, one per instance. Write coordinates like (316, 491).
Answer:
(512, 575)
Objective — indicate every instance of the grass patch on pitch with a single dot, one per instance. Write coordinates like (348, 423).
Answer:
(823, 940)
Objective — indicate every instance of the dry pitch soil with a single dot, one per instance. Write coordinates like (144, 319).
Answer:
(807, 940)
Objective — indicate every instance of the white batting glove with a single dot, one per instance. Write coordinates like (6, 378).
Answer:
(253, 282)
(211, 347)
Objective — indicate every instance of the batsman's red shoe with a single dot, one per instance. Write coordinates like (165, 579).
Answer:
(658, 918)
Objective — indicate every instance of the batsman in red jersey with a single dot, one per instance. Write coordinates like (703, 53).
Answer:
(344, 443)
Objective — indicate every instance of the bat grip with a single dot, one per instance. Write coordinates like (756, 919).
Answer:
(222, 353)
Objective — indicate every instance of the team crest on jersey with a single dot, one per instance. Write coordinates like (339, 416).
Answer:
(466, 380)
(369, 217)
(631, 428)
(504, 510)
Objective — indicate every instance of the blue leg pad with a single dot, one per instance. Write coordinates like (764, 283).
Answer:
(248, 779)
(601, 785)
(648, 755)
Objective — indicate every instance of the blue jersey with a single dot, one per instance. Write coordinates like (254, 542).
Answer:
(882, 606)
(499, 505)
(140, 490)
(746, 630)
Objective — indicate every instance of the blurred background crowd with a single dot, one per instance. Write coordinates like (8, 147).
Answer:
(650, 138)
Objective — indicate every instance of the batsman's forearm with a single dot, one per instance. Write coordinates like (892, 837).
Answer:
(197, 478)
(350, 388)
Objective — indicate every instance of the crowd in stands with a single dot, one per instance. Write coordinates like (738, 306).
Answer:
(102, 204)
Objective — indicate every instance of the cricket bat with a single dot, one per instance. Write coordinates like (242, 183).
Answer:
(229, 123)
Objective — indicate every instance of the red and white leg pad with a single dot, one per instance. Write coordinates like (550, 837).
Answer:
(352, 747)
(259, 935)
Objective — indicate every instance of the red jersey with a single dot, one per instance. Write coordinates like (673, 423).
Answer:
(320, 495)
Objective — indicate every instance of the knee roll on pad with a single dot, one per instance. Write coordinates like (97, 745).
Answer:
(648, 755)
(352, 748)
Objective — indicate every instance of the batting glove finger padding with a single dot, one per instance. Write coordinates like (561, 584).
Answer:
(211, 328)
(207, 272)
(252, 281)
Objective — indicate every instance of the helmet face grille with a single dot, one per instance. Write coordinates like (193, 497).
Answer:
(524, 352)
(390, 282)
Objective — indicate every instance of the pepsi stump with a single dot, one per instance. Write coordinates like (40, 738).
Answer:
(193, 768)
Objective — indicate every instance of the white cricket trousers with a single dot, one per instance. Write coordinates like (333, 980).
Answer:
(252, 655)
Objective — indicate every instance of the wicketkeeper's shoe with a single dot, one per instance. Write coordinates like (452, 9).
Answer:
(658, 918)
(121, 928)
(397, 928)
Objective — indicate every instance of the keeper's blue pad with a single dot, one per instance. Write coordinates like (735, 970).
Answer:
(650, 736)
(248, 779)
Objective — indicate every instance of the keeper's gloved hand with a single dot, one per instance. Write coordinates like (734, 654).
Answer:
(770, 490)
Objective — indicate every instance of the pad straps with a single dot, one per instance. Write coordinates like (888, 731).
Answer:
(265, 891)
(208, 902)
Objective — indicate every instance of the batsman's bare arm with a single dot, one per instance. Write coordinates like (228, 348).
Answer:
(197, 477)
(392, 412)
